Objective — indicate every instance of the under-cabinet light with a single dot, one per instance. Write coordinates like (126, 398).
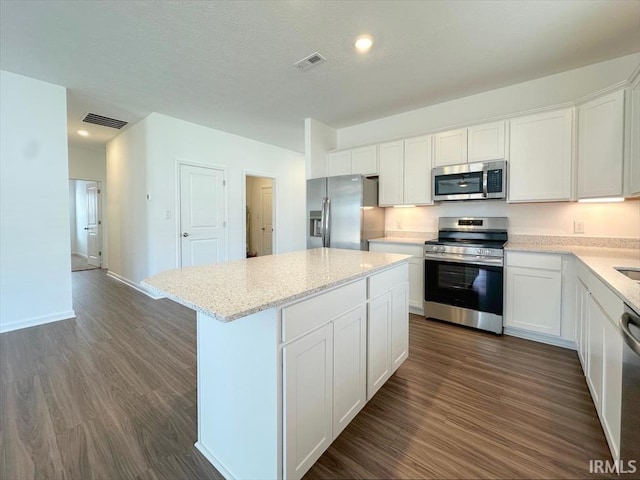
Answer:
(601, 200)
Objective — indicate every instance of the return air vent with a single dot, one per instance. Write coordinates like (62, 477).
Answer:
(104, 121)
(309, 62)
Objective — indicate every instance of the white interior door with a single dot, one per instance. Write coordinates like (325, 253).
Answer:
(201, 215)
(266, 214)
(94, 255)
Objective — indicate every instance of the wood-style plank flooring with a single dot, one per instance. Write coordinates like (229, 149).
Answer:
(112, 395)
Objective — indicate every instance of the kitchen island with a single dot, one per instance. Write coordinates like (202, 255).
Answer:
(290, 348)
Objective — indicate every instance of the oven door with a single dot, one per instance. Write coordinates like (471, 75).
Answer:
(471, 286)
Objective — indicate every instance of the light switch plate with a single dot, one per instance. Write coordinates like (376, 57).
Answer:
(578, 226)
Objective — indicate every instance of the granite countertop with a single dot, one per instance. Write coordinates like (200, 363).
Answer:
(405, 240)
(231, 290)
(602, 262)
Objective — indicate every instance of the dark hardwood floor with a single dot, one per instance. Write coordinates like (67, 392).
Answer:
(112, 395)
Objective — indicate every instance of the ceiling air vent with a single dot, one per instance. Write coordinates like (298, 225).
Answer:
(309, 62)
(104, 121)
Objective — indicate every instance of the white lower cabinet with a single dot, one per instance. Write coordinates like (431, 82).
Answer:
(350, 340)
(308, 376)
(600, 348)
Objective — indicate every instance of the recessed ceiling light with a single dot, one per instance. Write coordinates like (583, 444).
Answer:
(83, 133)
(363, 43)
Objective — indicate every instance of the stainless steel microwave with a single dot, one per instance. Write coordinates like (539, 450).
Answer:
(470, 181)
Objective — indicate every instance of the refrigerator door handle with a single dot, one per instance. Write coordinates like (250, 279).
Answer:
(327, 217)
(323, 218)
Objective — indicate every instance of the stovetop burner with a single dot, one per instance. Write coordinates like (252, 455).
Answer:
(484, 236)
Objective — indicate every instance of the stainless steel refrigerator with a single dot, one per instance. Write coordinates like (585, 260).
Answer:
(343, 212)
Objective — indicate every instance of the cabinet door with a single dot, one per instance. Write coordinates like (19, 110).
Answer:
(612, 385)
(308, 400)
(349, 367)
(364, 160)
(379, 343)
(600, 142)
(391, 179)
(540, 157)
(339, 163)
(582, 294)
(416, 283)
(486, 142)
(534, 300)
(595, 361)
(633, 169)
(451, 147)
(417, 171)
(399, 325)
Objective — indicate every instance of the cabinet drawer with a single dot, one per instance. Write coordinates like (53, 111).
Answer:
(609, 301)
(535, 260)
(304, 316)
(384, 281)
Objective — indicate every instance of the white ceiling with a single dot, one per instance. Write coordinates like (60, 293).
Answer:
(229, 64)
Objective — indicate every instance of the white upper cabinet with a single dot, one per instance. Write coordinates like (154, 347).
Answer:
(391, 179)
(364, 160)
(540, 157)
(486, 142)
(339, 163)
(600, 146)
(451, 147)
(417, 170)
(633, 165)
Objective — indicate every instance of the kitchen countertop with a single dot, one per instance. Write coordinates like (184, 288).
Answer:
(404, 240)
(231, 290)
(602, 262)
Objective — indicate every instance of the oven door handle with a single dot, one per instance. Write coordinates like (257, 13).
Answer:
(484, 261)
(628, 336)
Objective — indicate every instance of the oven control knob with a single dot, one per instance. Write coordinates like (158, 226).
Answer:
(480, 251)
(434, 248)
(442, 249)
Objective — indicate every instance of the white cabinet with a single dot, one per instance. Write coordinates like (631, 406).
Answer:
(601, 347)
(474, 144)
(417, 170)
(349, 367)
(450, 147)
(391, 179)
(632, 171)
(534, 292)
(405, 172)
(540, 157)
(388, 326)
(600, 146)
(308, 387)
(486, 142)
(581, 325)
(363, 161)
(416, 269)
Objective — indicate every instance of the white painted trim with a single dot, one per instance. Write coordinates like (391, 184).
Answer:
(35, 321)
(214, 461)
(134, 285)
(541, 338)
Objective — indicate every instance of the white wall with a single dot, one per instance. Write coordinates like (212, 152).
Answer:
(318, 138)
(35, 261)
(601, 219)
(126, 204)
(542, 92)
(143, 160)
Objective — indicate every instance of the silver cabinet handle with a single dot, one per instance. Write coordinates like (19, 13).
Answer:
(629, 339)
(185, 234)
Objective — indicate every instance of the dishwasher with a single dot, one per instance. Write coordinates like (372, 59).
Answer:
(630, 421)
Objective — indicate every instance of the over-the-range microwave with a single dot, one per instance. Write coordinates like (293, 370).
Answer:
(470, 181)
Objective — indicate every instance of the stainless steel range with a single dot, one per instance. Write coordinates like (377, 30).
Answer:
(464, 272)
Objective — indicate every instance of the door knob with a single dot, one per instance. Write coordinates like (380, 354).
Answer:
(185, 234)
(86, 228)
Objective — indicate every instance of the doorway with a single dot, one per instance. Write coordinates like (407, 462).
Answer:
(85, 210)
(260, 230)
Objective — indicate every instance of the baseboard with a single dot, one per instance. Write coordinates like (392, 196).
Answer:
(416, 311)
(214, 461)
(540, 337)
(78, 254)
(133, 285)
(35, 321)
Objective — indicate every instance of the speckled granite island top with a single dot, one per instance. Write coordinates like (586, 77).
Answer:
(231, 290)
